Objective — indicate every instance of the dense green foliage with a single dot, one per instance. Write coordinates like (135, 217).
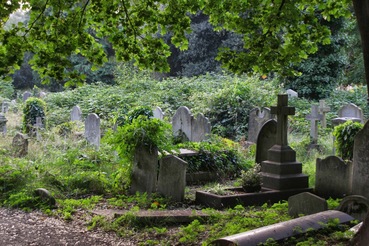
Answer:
(344, 138)
(33, 108)
(6, 89)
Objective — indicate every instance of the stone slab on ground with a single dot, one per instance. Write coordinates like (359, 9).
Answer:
(174, 216)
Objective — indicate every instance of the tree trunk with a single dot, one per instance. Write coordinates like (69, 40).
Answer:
(361, 8)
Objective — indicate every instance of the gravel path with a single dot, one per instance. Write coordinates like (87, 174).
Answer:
(18, 228)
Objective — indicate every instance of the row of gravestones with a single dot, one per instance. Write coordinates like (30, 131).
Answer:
(28, 94)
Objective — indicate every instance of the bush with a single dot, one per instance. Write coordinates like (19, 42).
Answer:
(6, 89)
(33, 108)
(345, 136)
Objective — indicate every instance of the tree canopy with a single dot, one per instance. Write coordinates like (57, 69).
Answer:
(276, 34)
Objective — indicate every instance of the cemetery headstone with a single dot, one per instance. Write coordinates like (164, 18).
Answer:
(356, 206)
(42, 94)
(257, 118)
(281, 171)
(323, 109)
(92, 129)
(200, 128)
(158, 113)
(332, 177)
(76, 114)
(361, 238)
(292, 93)
(172, 177)
(45, 196)
(3, 121)
(360, 172)
(144, 171)
(349, 112)
(306, 203)
(188, 128)
(26, 95)
(37, 127)
(5, 107)
(265, 140)
(20, 145)
(314, 117)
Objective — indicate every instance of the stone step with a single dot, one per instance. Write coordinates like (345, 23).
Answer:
(285, 182)
(281, 168)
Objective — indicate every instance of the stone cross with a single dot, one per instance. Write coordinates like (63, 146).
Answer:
(314, 117)
(282, 111)
(323, 109)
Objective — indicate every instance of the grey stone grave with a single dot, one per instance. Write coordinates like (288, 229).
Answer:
(292, 93)
(158, 113)
(20, 145)
(188, 128)
(42, 94)
(361, 238)
(349, 112)
(360, 172)
(5, 107)
(306, 203)
(265, 140)
(26, 95)
(144, 171)
(323, 109)
(37, 127)
(332, 177)
(257, 118)
(281, 171)
(3, 121)
(76, 114)
(92, 129)
(314, 117)
(356, 206)
(172, 178)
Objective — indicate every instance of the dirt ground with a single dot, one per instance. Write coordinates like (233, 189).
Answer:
(18, 228)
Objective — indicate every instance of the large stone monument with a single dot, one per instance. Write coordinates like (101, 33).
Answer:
(281, 171)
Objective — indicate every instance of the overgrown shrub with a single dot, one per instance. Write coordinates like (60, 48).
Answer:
(6, 89)
(344, 138)
(33, 108)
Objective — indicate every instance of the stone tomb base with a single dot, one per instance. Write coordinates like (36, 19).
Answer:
(246, 199)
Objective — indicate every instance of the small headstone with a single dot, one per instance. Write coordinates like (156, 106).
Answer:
(20, 145)
(332, 177)
(76, 114)
(360, 172)
(265, 140)
(349, 112)
(45, 196)
(292, 93)
(172, 178)
(3, 121)
(5, 107)
(257, 118)
(306, 203)
(200, 128)
(158, 113)
(181, 123)
(26, 95)
(314, 117)
(42, 94)
(361, 238)
(92, 129)
(37, 127)
(144, 171)
(356, 206)
(323, 109)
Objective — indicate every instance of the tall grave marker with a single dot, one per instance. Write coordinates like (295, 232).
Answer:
(323, 109)
(281, 171)
(257, 119)
(92, 129)
(314, 117)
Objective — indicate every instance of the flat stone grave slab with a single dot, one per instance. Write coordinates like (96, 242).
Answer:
(168, 216)
(246, 199)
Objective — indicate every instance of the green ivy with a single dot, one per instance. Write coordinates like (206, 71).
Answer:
(345, 136)
(33, 108)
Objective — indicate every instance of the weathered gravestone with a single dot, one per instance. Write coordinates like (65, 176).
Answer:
(323, 109)
(20, 145)
(172, 177)
(37, 127)
(257, 119)
(349, 112)
(306, 203)
(42, 94)
(281, 171)
(188, 128)
(158, 113)
(3, 121)
(314, 117)
(5, 107)
(360, 173)
(144, 171)
(265, 140)
(332, 177)
(292, 93)
(92, 129)
(76, 114)
(356, 206)
(26, 95)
